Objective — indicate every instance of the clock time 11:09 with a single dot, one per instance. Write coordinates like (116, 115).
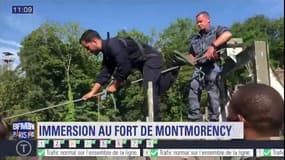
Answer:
(23, 9)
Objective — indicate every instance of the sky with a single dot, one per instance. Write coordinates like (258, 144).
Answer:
(114, 15)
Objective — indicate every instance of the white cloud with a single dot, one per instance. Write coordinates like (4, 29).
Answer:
(8, 49)
(10, 43)
(22, 23)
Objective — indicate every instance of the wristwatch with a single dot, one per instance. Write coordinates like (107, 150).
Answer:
(213, 45)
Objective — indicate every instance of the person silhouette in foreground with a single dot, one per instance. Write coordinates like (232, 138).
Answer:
(261, 108)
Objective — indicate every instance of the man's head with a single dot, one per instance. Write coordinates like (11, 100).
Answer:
(203, 20)
(260, 107)
(91, 40)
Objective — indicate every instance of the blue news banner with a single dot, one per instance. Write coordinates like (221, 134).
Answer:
(134, 139)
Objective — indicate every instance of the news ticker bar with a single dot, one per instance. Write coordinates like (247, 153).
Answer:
(160, 148)
(161, 152)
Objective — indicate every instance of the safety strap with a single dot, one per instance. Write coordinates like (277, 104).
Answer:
(141, 48)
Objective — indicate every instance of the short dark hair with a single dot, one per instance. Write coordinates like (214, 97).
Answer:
(261, 105)
(203, 12)
(88, 35)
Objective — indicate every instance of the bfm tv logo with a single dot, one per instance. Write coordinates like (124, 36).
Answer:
(23, 130)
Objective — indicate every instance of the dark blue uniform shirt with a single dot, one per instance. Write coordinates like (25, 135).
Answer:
(201, 41)
(120, 58)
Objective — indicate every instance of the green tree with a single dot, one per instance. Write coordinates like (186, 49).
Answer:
(176, 37)
(262, 28)
(55, 68)
(52, 60)
(13, 92)
(259, 28)
(276, 42)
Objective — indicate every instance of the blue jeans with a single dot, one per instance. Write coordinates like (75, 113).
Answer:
(208, 82)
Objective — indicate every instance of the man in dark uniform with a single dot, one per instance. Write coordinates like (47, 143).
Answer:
(208, 40)
(120, 57)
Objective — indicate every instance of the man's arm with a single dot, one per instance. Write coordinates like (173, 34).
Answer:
(191, 58)
(93, 91)
(124, 66)
(113, 86)
(223, 38)
(123, 63)
(123, 70)
(108, 68)
(101, 79)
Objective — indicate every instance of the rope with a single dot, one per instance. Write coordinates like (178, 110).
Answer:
(49, 107)
(104, 93)
(164, 71)
(220, 51)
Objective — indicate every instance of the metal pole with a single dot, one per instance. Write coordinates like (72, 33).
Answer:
(150, 117)
(150, 101)
(98, 109)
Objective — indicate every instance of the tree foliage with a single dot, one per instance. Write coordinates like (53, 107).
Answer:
(54, 62)
(260, 28)
(55, 69)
